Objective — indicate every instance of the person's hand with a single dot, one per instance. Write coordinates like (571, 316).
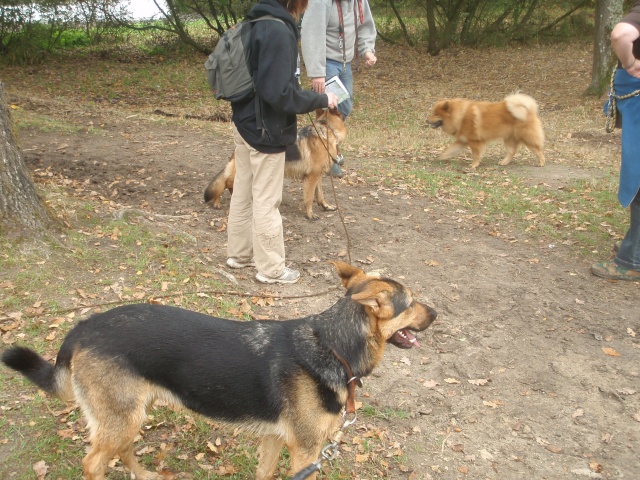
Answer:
(370, 59)
(333, 99)
(634, 69)
(318, 84)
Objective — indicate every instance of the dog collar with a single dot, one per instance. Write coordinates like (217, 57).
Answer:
(351, 384)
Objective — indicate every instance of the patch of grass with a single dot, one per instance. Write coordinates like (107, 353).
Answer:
(371, 411)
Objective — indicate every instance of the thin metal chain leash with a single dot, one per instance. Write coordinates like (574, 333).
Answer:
(329, 452)
(612, 110)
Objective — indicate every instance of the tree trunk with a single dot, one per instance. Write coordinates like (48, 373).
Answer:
(608, 13)
(21, 210)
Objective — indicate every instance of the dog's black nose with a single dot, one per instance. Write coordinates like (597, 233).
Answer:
(433, 313)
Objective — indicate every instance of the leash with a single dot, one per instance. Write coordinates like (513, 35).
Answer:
(330, 451)
(612, 107)
(338, 161)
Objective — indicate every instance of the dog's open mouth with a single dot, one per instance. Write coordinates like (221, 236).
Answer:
(436, 124)
(403, 338)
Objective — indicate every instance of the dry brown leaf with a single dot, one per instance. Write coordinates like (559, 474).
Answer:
(451, 380)
(610, 351)
(627, 391)
(631, 332)
(41, 469)
(596, 467)
(479, 381)
(554, 448)
(578, 413)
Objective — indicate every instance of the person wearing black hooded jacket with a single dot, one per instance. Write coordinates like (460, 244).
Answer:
(262, 131)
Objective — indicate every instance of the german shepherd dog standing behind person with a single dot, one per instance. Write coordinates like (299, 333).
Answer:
(286, 381)
(309, 159)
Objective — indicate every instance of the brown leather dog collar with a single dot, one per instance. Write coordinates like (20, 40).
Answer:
(351, 384)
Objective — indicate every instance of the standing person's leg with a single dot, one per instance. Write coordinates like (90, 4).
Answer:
(629, 253)
(239, 224)
(626, 264)
(337, 69)
(268, 236)
(345, 75)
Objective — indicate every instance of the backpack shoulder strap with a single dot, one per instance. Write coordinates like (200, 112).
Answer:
(266, 17)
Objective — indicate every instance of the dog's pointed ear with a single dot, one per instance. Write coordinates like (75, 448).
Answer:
(445, 106)
(319, 112)
(346, 271)
(378, 300)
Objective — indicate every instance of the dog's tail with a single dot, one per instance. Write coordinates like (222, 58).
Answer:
(52, 380)
(521, 106)
(222, 181)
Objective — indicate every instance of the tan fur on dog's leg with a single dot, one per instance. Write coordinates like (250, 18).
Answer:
(300, 458)
(308, 193)
(95, 463)
(129, 459)
(539, 154)
(477, 149)
(268, 455)
(535, 146)
(512, 147)
(320, 198)
(452, 150)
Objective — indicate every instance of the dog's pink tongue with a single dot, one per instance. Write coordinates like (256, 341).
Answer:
(412, 339)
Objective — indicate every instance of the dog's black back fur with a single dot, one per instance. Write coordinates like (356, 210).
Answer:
(241, 381)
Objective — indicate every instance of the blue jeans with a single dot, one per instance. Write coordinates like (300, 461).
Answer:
(629, 254)
(346, 77)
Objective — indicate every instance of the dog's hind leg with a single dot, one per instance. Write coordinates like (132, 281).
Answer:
(535, 146)
(129, 459)
(308, 193)
(512, 147)
(538, 152)
(268, 454)
(320, 197)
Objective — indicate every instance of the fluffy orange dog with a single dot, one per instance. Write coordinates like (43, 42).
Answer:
(475, 124)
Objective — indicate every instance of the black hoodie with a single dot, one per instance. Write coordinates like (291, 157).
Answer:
(274, 58)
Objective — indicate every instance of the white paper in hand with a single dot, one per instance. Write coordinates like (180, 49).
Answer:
(334, 85)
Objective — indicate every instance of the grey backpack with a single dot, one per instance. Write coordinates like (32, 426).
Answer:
(228, 69)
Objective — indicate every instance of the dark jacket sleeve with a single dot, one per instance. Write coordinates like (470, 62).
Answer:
(275, 83)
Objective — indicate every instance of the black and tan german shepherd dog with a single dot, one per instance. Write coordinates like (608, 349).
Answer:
(286, 381)
(309, 159)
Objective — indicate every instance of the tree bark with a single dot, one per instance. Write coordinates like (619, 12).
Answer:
(22, 212)
(608, 13)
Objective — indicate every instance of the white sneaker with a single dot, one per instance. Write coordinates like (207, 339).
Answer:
(288, 275)
(234, 263)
